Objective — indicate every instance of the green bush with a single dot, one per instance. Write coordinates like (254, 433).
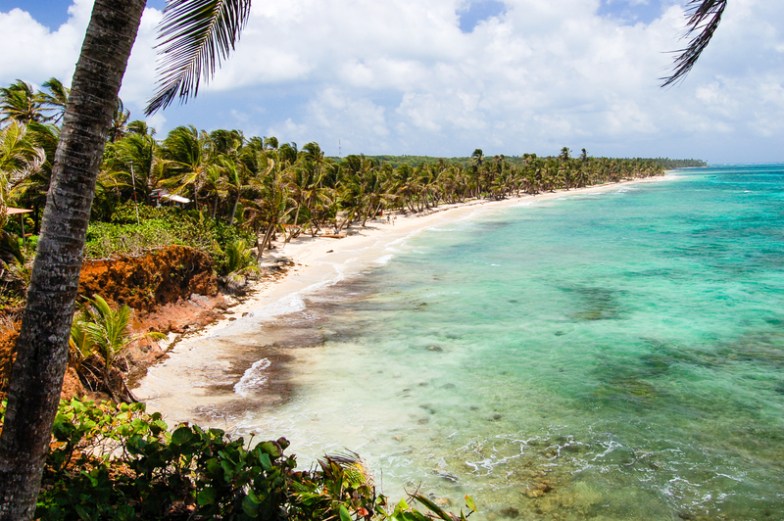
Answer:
(159, 227)
(117, 462)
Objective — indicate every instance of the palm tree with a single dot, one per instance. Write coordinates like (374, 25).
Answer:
(134, 162)
(19, 102)
(54, 99)
(119, 122)
(19, 158)
(232, 181)
(106, 331)
(195, 33)
(275, 202)
(32, 191)
(704, 17)
(187, 155)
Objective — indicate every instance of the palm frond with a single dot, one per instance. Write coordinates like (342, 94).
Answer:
(194, 36)
(704, 17)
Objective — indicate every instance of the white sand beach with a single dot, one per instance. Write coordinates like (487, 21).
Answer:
(183, 386)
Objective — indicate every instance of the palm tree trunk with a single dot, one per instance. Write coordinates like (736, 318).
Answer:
(42, 347)
(267, 238)
(234, 208)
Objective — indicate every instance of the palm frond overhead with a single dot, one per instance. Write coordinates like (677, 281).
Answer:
(193, 37)
(704, 17)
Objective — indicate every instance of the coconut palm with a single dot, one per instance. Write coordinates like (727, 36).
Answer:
(31, 192)
(19, 102)
(195, 35)
(187, 155)
(54, 98)
(119, 122)
(103, 331)
(226, 143)
(704, 17)
(19, 158)
(134, 162)
(232, 182)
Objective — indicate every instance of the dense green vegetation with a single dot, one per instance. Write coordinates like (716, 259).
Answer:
(193, 473)
(258, 186)
(243, 191)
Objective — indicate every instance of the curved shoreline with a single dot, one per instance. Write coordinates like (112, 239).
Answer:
(184, 385)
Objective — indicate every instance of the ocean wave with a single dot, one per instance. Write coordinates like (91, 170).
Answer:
(384, 260)
(291, 304)
(254, 378)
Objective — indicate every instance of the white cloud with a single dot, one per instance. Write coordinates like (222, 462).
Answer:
(31, 52)
(400, 77)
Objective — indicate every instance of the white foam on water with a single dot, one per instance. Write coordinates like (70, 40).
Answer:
(291, 304)
(384, 260)
(254, 378)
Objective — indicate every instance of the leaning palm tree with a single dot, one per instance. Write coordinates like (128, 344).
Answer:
(31, 192)
(187, 154)
(119, 122)
(54, 99)
(19, 102)
(195, 36)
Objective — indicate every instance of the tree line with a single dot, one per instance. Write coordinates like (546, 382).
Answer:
(265, 186)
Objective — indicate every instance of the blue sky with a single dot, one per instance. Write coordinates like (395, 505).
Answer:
(54, 13)
(447, 76)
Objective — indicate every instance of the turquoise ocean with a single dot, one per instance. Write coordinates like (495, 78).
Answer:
(613, 356)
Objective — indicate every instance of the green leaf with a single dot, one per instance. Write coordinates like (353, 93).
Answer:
(344, 514)
(266, 462)
(182, 435)
(270, 448)
(250, 507)
(206, 497)
(401, 507)
(470, 503)
(194, 36)
(437, 510)
(213, 466)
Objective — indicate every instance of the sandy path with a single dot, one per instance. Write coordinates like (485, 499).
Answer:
(199, 375)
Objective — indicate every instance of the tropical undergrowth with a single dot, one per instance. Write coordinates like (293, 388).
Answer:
(125, 234)
(98, 334)
(118, 462)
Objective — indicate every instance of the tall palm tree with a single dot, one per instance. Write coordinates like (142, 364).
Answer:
(187, 153)
(233, 180)
(195, 33)
(32, 191)
(119, 122)
(19, 102)
(133, 162)
(54, 99)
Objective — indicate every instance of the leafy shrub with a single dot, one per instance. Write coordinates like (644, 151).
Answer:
(240, 263)
(159, 227)
(112, 461)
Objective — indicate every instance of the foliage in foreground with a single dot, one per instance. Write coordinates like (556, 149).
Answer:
(111, 461)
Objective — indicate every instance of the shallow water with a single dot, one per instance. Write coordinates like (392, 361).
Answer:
(613, 356)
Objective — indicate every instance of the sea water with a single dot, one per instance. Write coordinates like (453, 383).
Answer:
(617, 356)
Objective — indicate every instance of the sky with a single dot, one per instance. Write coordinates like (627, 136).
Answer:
(445, 77)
